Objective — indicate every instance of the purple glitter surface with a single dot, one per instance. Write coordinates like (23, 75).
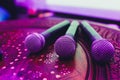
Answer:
(17, 64)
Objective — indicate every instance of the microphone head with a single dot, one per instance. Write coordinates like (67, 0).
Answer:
(34, 42)
(102, 50)
(65, 47)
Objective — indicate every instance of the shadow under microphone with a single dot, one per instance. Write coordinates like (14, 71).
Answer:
(35, 42)
(65, 46)
(101, 49)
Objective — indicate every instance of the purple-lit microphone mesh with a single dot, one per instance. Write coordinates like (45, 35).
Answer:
(34, 42)
(65, 47)
(102, 50)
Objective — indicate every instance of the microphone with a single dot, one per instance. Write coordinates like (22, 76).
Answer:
(101, 49)
(36, 42)
(65, 46)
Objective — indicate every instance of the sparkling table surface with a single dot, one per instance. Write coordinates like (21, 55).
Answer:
(18, 64)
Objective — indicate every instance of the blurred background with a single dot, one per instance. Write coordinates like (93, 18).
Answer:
(103, 11)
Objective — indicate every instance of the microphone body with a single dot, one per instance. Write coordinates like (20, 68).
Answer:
(101, 49)
(36, 42)
(65, 46)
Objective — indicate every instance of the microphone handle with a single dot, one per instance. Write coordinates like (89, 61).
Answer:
(90, 31)
(55, 31)
(73, 28)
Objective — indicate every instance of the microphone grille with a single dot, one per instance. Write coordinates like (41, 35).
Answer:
(102, 50)
(65, 47)
(34, 42)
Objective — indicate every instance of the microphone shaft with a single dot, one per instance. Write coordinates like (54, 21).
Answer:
(55, 31)
(72, 29)
(90, 31)
(56, 27)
